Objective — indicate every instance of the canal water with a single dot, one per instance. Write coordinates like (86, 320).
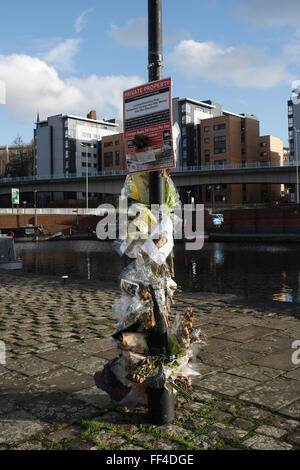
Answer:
(261, 270)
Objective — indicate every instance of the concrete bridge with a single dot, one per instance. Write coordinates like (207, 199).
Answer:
(111, 182)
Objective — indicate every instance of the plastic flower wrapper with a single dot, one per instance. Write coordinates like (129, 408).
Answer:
(137, 187)
(160, 244)
(138, 230)
(172, 196)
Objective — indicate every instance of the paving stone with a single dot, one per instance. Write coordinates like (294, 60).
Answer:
(162, 444)
(227, 384)
(67, 433)
(31, 445)
(7, 404)
(31, 365)
(65, 379)
(13, 382)
(294, 374)
(110, 417)
(94, 396)
(217, 344)
(215, 329)
(268, 344)
(287, 424)
(293, 409)
(90, 365)
(266, 443)
(247, 333)
(226, 432)
(226, 359)
(253, 372)
(271, 431)
(204, 442)
(281, 360)
(294, 439)
(144, 437)
(193, 423)
(131, 447)
(109, 439)
(109, 354)
(274, 394)
(243, 423)
(18, 426)
(56, 407)
(174, 431)
(202, 395)
(78, 444)
(219, 415)
(255, 413)
(60, 356)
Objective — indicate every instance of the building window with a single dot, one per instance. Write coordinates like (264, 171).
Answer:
(108, 144)
(291, 122)
(108, 159)
(220, 150)
(117, 142)
(263, 154)
(206, 129)
(220, 138)
(83, 154)
(117, 158)
(206, 140)
(220, 162)
(263, 144)
(218, 127)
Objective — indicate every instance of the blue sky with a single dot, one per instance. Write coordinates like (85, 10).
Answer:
(69, 57)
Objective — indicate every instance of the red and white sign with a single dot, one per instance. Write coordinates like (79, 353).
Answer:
(148, 112)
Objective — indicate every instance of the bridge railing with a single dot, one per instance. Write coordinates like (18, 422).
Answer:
(188, 169)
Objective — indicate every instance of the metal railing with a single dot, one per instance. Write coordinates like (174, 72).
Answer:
(188, 169)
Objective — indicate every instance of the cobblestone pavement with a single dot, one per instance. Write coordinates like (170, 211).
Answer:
(57, 336)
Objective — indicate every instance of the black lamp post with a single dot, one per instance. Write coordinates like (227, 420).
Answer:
(160, 401)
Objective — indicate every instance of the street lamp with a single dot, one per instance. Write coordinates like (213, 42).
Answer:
(297, 131)
(35, 201)
(85, 144)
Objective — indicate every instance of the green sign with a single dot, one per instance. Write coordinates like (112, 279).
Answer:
(15, 196)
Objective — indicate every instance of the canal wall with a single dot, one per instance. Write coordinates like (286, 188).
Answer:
(278, 220)
(81, 224)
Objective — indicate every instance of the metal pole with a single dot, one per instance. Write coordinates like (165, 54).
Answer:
(297, 164)
(160, 401)
(87, 179)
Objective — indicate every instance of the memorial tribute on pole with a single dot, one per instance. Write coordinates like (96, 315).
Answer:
(156, 350)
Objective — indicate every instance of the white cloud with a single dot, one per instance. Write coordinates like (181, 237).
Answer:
(240, 66)
(270, 12)
(291, 51)
(81, 21)
(62, 55)
(32, 84)
(134, 34)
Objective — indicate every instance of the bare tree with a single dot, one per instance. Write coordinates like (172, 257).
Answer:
(21, 159)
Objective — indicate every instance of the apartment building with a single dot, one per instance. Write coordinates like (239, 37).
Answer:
(294, 124)
(113, 153)
(71, 145)
(212, 136)
(63, 142)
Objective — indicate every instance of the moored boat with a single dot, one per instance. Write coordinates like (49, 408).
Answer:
(8, 257)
